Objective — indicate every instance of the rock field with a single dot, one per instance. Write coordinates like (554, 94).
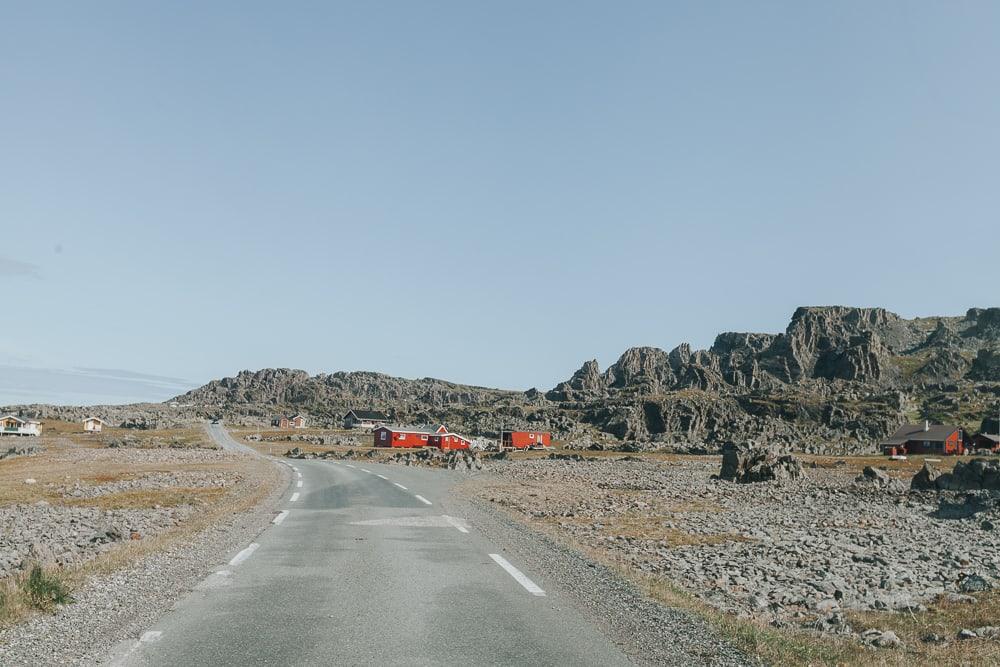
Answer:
(55, 534)
(797, 553)
(74, 527)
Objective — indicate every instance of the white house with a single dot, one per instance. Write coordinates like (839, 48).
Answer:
(93, 424)
(11, 425)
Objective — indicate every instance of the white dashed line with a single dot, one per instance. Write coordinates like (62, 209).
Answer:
(299, 475)
(281, 517)
(151, 636)
(348, 465)
(400, 486)
(366, 470)
(519, 576)
(243, 555)
(298, 484)
(295, 496)
(457, 523)
(423, 500)
(383, 477)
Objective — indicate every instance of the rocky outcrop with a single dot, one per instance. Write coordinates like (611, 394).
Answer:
(748, 463)
(837, 380)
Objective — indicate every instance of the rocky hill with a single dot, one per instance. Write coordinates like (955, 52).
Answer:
(837, 379)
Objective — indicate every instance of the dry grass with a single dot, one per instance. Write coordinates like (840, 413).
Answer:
(146, 498)
(53, 469)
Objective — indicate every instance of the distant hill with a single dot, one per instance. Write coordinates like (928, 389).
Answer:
(837, 379)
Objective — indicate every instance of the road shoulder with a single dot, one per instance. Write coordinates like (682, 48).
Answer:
(648, 632)
(119, 606)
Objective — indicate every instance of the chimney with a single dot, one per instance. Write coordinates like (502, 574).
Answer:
(927, 425)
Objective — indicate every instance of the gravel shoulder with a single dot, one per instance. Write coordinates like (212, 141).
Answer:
(648, 632)
(120, 605)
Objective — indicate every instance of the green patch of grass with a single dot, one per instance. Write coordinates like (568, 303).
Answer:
(45, 590)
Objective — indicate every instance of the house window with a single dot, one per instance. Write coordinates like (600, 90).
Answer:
(402, 436)
(383, 435)
(531, 435)
(423, 437)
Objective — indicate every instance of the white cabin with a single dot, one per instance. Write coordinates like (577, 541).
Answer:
(11, 425)
(93, 424)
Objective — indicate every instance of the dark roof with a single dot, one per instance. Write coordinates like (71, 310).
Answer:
(371, 415)
(907, 432)
(990, 436)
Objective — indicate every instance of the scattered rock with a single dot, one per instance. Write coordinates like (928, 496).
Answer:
(974, 583)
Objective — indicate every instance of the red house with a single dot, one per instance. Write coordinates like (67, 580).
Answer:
(447, 440)
(295, 421)
(526, 439)
(925, 438)
(399, 436)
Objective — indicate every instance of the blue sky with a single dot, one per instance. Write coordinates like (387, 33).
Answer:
(486, 192)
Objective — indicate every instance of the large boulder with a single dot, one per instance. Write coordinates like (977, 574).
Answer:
(749, 462)
(971, 475)
(925, 479)
(967, 476)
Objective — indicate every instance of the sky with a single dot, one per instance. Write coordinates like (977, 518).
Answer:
(486, 192)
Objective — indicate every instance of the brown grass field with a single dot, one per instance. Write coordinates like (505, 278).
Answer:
(64, 462)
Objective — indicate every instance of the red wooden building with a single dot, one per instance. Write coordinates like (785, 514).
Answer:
(526, 439)
(295, 421)
(420, 436)
(925, 438)
(449, 440)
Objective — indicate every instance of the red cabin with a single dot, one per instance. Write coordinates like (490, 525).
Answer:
(398, 436)
(448, 440)
(526, 439)
(925, 438)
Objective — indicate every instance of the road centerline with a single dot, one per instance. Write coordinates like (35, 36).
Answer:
(423, 500)
(295, 496)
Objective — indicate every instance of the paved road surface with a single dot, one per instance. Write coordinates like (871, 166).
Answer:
(360, 570)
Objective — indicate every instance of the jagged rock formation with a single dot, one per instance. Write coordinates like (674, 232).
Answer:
(837, 379)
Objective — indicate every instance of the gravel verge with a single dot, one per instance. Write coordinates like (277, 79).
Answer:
(648, 632)
(113, 608)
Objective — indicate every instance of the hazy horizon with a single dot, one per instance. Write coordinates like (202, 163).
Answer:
(488, 194)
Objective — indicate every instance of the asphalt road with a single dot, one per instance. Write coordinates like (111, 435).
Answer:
(363, 566)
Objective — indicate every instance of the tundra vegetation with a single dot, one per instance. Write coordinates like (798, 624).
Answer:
(78, 505)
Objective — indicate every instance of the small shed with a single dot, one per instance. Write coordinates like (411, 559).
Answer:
(986, 441)
(93, 424)
(526, 439)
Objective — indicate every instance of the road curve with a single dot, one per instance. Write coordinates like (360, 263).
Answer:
(363, 566)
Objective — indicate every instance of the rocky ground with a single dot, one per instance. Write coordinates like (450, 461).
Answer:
(90, 512)
(798, 554)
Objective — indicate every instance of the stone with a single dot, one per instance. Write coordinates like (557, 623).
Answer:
(925, 479)
(965, 633)
(974, 583)
(750, 463)
(888, 639)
